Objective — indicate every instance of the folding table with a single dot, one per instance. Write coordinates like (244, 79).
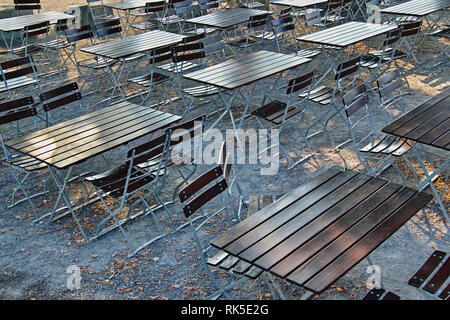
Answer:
(18, 23)
(429, 124)
(235, 74)
(123, 48)
(63, 146)
(316, 233)
(422, 9)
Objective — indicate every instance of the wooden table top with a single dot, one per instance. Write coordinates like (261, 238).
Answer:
(20, 22)
(429, 123)
(81, 138)
(135, 44)
(418, 8)
(316, 233)
(347, 34)
(226, 19)
(242, 71)
(297, 3)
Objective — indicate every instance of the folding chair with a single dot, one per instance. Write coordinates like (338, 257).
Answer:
(16, 74)
(375, 152)
(24, 6)
(334, 13)
(23, 168)
(405, 48)
(443, 33)
(62, 96)
(129, 185)
(252, 35)
(378, 64)
(276, 114)
(99, 12)
(194, 197)
(94, 64)
(152, 11)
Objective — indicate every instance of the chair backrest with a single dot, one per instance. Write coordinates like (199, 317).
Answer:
(149, 150)
(111, 27)
(312, 18)
(26, 5)
(61, 96)
(393, 37)
(205, 5)
(155, 7)
(347, 68)
(193, 128)
(198, 197)
(160, 55)
(355, 99)
(76, 34)
(214, 45)
(411, 28)
(183, 8)
(389, 89)
(301, 82)
(36, 29)
(186, 53)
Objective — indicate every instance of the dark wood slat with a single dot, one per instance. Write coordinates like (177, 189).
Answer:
(438, 279)
(287, 214)
(369, 243)
(284, 202)
(226, 19)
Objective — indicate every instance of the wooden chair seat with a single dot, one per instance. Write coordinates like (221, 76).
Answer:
(307, 53)
(387, 144)
(169, 20)
(242, 43)
(145, 26)
(56, 44)
(170, 67)
(322, 95)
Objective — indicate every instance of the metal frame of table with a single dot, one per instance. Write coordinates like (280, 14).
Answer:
(428, 124)
(316, 233)
(231, 76)
(15, 24)
(123, 48)
(67, 144)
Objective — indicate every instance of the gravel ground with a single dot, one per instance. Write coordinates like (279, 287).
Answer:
(34, 257)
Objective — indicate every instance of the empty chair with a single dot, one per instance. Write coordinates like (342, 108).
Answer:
(389, 88)
(34, 39)
(16, 74)
(250, 36)
(67, 96)
(277, 114)
(185, 10)
(24, 6)
(129, 185)
(208, 6)
(375, 152)
(98, 12)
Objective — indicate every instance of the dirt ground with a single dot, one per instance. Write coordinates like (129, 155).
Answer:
(36, 258)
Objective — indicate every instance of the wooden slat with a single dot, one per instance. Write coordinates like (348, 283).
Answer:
(417, 8)
(20, 22)
(374, 294)
(390, 296)
(445, 293)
